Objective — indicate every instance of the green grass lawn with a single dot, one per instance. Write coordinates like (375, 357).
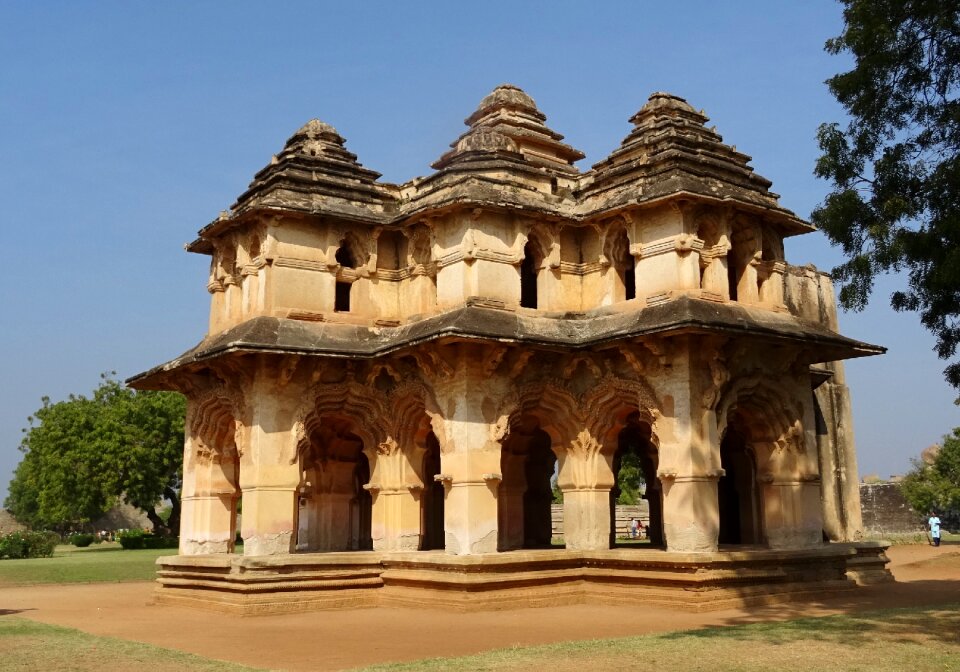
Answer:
(102, 562)
(30, 646)
(919, 640)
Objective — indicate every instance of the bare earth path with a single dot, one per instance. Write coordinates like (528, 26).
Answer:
(351, 638)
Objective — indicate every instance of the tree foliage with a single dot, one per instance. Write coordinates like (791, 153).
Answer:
(895, 168)
(936, 484)
(630, 479)
(81, 455)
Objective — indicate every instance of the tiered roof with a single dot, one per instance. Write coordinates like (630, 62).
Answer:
(510, 158)
(507, 120)
(670, 150)
(313, 171)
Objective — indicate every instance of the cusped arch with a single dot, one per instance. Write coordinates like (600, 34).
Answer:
(612, 401)
(215, 426)
(771, 416)
(772, 424)
(352, 250)
(347, 401)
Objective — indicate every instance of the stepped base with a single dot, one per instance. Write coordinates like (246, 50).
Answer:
(518, 579)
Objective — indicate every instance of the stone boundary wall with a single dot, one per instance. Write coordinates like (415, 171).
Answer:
(624, 514)
(885, 511)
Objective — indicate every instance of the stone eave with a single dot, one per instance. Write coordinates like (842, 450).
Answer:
(570, 331)
(788, 223)
(203, 245)
(479, 190)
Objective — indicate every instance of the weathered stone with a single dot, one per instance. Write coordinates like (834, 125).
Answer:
(402, 368)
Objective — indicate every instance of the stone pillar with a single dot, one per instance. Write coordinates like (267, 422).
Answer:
(510, 501)
(689, 465)
(791, 512)
(585, 478)
(469, 430)
(209, 493)
(668, 264)
(396, 518)
(397, 491)
(217, 302)
(771, 274)
(713, 262)
(269, 471)
(747, 288)
(835, 396)
(332, 505)
(691, 513)
(208, 512)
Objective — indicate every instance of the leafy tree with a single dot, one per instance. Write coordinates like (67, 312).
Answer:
(630, 479)
(895, 168)
(935, 483)
(83, 454)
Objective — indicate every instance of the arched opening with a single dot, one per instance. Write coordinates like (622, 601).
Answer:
(211, 480)
(344, 257)
(432, 536)
(733, 277)
(636, 485)
(715, 274)
(361, 507)
(225, 480)
(629, 277)
(335, 508)
(618, 252)
(529, 269)
(525, 494)
(740, 277)
(737, 492)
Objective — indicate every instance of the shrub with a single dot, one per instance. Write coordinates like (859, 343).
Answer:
(151, 541)
(81, 540)
(131, 539)
(135, 539)
(28, 544)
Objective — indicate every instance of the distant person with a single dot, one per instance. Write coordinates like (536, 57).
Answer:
(934, 523)
(634, 528)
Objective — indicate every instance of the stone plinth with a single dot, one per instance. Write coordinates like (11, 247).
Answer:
(687, 581)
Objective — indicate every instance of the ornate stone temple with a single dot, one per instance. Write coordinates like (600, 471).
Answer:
(396, 379)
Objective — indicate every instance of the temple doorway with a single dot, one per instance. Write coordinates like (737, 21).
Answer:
(432, 537)
(525, 493)
(635, 478)
(737, 493)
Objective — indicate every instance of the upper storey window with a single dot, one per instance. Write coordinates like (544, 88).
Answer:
(629, 277)
(618, 253)
(345, 258)
(529, 269)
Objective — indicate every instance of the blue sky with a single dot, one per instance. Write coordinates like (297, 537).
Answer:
(125, 127)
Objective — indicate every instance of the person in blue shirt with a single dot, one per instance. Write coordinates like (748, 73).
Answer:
(934, 523)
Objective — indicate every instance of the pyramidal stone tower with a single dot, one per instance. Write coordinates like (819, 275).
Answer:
(398, 380)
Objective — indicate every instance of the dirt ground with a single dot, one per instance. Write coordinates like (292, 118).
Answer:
(334, 640)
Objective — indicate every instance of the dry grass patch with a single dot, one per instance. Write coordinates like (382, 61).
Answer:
(919, 640)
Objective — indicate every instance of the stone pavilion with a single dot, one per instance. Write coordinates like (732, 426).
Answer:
(397, 377)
